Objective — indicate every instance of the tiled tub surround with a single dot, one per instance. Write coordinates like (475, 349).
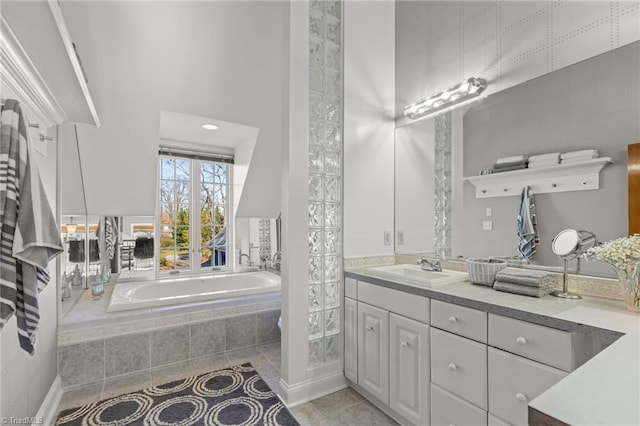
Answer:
(605, 390)
(93, 360)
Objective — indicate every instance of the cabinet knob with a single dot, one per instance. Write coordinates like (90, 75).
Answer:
(405, 344)
(521, 397)
(369, 328)
(452, 366)
(521, 340)
(452, 319)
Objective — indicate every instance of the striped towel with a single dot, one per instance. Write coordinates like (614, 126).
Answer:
(29, 238)
(527, 225)
(523, 289)
(526, 277)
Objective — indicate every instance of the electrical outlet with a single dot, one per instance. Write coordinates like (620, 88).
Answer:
(387, 238)
(400, 238)
(487, 225)
(489, 211)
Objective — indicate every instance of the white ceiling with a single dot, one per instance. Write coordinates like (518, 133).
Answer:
(175, 126)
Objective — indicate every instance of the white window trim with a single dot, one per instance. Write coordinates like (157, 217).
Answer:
(195, 223)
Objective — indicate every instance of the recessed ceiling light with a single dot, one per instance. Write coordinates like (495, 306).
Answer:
(210, 127)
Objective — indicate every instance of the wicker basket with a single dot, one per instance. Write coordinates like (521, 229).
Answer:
(483, 271)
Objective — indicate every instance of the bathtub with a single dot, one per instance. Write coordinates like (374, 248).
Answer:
(174, 291)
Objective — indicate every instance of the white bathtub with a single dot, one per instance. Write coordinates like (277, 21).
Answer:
(173, 291)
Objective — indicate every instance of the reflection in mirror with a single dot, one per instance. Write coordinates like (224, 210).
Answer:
(257, 244)
(591, 105)
(135, 259)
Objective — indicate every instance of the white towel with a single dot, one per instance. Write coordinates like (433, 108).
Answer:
(585, 153)
(576, 160)
(514, 159)
(548, 163)
(545, 157)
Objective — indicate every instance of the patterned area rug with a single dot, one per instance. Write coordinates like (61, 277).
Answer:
(232, 396)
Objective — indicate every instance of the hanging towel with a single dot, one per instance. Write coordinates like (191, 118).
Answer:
(527, 225)
(552, 156)
(513, 159)
(583, 154)
(30, 236)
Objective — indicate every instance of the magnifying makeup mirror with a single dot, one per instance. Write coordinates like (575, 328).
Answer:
(568, 245)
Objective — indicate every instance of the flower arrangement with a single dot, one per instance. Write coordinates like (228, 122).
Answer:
(623, 254)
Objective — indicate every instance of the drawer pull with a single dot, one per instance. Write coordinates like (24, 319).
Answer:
(405, 344)
(452, 366)
(521, 397)
(453, 319)
(521, 340)
(369, 328)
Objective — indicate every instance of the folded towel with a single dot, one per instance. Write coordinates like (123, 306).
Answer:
(545, 157)
(548, 163)
(514, 159)
(527, 277)
(522, 289)
(576, 160)
(510, 164)
(486, 171)
(509, 169)
(585, 153)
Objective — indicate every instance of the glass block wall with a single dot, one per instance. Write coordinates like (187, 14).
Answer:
(264, 237)
(325, 179)
(443, 184)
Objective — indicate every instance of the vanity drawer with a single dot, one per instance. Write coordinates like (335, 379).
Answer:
(448, 409)
(547, 345)
(460, 320)
(351, 288)
(514, 382)
(405, 304)
(459, 365)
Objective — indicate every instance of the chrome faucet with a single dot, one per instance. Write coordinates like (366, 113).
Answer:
(427, 265)
(275, 260)
(245, 255)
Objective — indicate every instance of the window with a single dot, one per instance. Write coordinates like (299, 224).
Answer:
(193, 214)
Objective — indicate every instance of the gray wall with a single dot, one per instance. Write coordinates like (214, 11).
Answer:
(592, 104)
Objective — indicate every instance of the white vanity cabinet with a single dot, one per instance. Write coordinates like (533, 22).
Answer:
(430, 362)
(390, 348)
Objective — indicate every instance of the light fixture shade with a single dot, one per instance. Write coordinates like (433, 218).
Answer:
(71, 228)
(454, 95)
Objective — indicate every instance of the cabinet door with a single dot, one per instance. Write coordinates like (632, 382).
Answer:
(351, 339)
(373, 351)
(409, 368)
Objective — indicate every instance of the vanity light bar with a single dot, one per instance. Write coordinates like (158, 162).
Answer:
(453, 95)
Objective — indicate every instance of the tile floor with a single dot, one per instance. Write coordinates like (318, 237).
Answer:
(344, 407)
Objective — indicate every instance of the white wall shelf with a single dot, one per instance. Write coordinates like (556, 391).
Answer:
(579, 176)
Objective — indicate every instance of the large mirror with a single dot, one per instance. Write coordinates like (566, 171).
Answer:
(593, 104)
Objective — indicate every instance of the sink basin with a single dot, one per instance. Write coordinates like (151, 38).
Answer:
(415, 275)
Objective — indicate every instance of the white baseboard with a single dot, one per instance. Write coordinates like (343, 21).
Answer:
(49, 407)
(316, 387)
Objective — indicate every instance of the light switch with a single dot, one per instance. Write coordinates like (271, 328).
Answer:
(387, 238)
(400, 238)
(489, 211)
(487, 225)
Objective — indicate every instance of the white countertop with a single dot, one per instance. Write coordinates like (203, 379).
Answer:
(603, 391)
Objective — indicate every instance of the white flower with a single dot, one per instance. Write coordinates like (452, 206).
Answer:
(620, 253)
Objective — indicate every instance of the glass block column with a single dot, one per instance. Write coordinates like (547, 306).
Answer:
(325, 179)
(264, 237)
(442, 187)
